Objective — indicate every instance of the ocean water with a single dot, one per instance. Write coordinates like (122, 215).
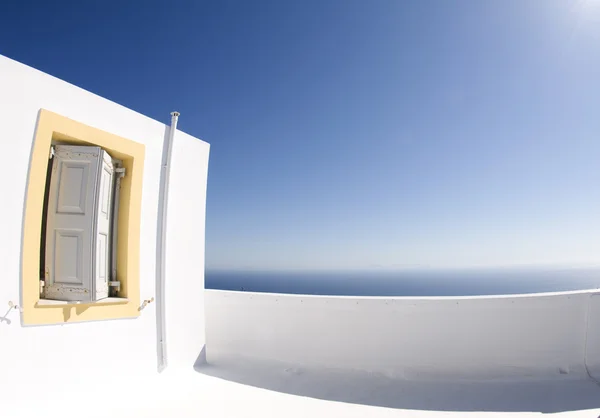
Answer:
(470, 282)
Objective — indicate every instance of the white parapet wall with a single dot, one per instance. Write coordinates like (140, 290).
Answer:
(525, 336)
(86, 355)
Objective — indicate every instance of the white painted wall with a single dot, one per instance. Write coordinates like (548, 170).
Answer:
(185, 251)
(488, 337)
(84, 355)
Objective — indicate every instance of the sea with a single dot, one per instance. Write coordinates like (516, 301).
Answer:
(455, 282)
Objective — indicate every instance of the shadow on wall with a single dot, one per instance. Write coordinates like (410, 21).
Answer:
(592, 349)
(373, 389)
(24, 211)
(68, 310)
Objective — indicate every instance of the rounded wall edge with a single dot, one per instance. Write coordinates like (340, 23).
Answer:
(592, 340)
(184, 269)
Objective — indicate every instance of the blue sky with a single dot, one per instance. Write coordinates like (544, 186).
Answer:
(358, 134)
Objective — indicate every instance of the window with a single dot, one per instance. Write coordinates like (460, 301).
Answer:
(78, 251)
(81, 228)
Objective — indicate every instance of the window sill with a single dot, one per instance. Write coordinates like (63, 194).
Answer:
(106, 301)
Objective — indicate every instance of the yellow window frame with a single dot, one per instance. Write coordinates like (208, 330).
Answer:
(52, 126)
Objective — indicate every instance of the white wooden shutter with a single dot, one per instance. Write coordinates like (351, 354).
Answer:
(78, 224)
(103, 227)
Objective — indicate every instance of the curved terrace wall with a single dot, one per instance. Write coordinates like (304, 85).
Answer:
(523, 336)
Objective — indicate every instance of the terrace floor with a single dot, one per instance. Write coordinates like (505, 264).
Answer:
(214, 391)
(556, 395)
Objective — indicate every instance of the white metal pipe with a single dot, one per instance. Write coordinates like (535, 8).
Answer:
(161, 245)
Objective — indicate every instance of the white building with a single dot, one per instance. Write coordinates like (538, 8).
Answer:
(104, 304)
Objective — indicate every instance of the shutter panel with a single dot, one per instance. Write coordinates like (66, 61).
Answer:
(103, 227)
(71, 223)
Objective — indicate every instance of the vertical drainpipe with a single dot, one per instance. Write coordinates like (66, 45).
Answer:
(161, 245)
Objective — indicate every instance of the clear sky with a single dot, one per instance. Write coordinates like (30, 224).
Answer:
(358, 134)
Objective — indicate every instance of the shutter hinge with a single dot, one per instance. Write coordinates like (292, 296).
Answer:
(51, 152)
(120, 171)
(116, 284)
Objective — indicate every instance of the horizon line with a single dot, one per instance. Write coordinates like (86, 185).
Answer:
(403, 268)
